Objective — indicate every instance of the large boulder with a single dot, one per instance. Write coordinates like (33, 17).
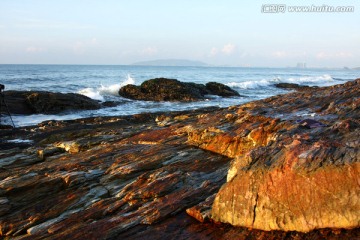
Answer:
(290, 173)
(161, 89)
(164, 89)
(32, 102)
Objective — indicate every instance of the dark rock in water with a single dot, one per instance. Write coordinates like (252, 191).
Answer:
(136, 177)
(131, 91)
(5, 126)
(293, 86)
(221, 90)
(111, 104)
(31, 102)
(164, 89)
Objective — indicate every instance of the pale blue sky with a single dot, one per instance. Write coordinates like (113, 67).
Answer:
(227, 32)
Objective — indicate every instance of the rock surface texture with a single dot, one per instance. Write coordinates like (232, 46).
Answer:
(293, 175)
(164, 89)
(286, 163)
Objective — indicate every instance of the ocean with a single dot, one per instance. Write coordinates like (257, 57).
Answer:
(102, 82)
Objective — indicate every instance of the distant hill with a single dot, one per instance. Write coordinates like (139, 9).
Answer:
(172, 63)
(358, 68)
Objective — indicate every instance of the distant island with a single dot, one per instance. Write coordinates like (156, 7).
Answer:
(172, 63)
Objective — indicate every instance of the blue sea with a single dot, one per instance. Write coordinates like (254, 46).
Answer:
(103, 83)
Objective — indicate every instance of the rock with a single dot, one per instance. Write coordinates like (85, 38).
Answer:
(294, 86)
(295, 179)
(221, 90)
(310, 123)
(202, 211)
(31, 102)
(4, 205)
(163, 89)
(130, 177)
(49, 151)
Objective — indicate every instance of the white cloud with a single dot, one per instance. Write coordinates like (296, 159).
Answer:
(149, 51)
(228, 49)
(33, 49)
(324, 55)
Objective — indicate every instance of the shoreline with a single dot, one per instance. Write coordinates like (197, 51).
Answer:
(136, 176)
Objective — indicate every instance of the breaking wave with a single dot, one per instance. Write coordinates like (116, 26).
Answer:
(101, 91)
(325, 79)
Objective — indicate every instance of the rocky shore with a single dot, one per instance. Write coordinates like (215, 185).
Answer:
(286, 167)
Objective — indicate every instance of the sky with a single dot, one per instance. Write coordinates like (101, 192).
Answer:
(228, 32)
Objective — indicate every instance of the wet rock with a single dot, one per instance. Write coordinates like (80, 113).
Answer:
(163, 89)
(310, 123)
(293, 86)
(31, 102)
(144, 175)
(221, 90)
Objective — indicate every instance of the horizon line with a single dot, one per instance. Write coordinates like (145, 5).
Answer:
(207, 66)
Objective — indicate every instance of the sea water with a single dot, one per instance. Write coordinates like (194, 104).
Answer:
(103, 83)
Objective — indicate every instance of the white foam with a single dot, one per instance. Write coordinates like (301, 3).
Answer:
(100, 92)
(251, 84)
(92, 93)
(114, 88)
(18, 140)
(325, 79)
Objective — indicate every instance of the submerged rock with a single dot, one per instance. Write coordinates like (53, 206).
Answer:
(164, 89)
(294, 86)
(262, 165)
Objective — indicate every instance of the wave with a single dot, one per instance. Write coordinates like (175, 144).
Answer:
(308, 80)
(91, 93)
(100, 92)
(312, 79)
(255, 84)
(251, 84)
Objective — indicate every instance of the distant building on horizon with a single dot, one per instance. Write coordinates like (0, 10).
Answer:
(301, 65)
